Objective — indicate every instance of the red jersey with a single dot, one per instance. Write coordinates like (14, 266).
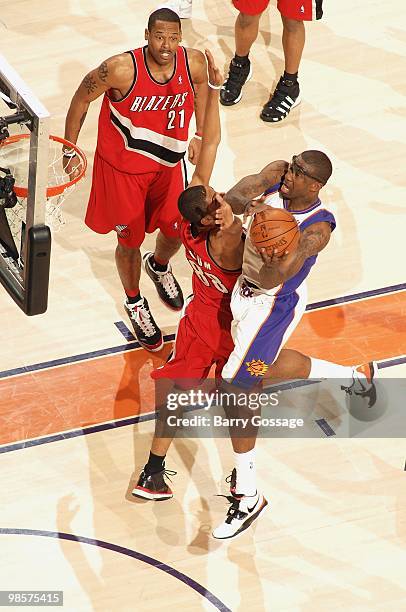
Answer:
(212, 285)
(148, 128)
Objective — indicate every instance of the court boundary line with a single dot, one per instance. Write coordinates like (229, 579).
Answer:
(134, 345)
(150, 416)
(129, 552)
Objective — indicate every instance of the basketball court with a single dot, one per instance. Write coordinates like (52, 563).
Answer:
(76, 397)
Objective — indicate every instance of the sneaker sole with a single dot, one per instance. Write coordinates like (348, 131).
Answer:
(152, 349)
(240, 96)
(144, 265)
(142, 493)
(246, 525)
(271, 120)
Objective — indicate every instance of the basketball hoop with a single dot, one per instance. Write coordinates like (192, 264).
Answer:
(14, 153)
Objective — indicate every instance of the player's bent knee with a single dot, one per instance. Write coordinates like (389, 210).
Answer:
(293, 26)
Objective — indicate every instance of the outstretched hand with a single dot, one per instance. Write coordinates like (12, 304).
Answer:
(255, 206)
(224, 213)
(215, 76)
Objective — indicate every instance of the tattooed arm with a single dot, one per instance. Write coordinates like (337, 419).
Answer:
(254, 185)
(116, 73)
(278, 269)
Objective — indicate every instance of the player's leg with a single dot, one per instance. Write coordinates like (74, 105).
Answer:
(291, 364)
(128, 262)
(190, 362)
(163, 213)
(117, 202)
(246, 32)
(287, 92)
(254, 347)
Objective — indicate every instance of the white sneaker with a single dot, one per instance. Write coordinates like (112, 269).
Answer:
(242, 512)
(183, 8)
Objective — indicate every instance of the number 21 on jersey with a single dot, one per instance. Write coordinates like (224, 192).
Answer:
(174, 121)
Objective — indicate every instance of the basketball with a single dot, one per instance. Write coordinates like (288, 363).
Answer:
(275, 228)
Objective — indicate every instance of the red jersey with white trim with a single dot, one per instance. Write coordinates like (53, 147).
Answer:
(148, 128)
(212, 285)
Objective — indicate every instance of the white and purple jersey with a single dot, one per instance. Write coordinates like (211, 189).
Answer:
(263, 320)
(253, 262)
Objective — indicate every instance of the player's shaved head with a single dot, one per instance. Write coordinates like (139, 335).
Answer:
(192, 204)
(319, 164)
(163, 14)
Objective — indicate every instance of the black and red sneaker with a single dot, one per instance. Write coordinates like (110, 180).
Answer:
(153, 486)
(166, 284)
(145, 328)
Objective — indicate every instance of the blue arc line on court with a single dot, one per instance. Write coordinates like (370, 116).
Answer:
(171, 571)
(130, 346)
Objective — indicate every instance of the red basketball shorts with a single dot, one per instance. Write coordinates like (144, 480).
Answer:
(134, 204)
(301, 10)
(202, 340)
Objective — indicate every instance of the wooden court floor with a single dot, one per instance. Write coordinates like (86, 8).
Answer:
(76, 399)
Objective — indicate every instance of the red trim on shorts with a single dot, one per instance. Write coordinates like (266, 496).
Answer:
(250, 7)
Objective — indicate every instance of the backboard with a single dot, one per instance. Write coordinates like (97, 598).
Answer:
(25, 245)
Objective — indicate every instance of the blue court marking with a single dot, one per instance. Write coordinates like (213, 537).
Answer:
(121, 326)
(75, 433)
(150, 416)
(389, 363)
(325, 427)
(357, 296)
(76, 358)
(215, 601)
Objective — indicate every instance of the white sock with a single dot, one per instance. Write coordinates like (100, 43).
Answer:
(246, 473)
(327, 369)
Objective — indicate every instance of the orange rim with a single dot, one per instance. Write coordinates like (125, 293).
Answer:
(22, 192)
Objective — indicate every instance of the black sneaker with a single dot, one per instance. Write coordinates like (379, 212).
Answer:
(238, 75)
(146, 330)
(363, 385)
(166, 284)
(153, 486)
(281, 102)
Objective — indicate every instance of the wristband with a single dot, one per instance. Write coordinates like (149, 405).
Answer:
(69, 153)
(214, 86)
(198, 136)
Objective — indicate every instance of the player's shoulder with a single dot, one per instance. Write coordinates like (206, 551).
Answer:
(120, 64)
(196, 60)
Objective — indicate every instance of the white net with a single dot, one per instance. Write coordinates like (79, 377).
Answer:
(14, 156)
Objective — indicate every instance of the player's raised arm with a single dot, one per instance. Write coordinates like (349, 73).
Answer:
(280, 267)
(211, 127)
(198, 70)
(254, 185)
